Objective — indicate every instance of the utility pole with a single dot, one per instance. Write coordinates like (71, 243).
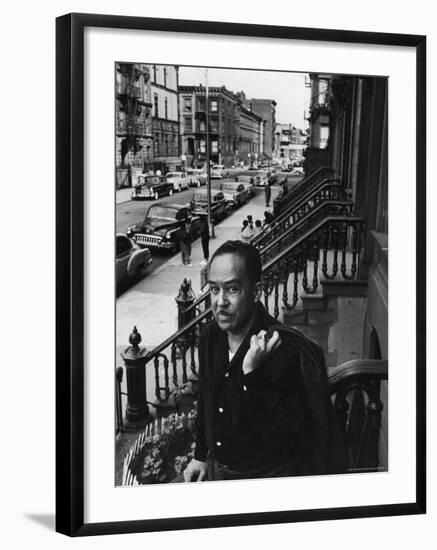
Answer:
(208, 167)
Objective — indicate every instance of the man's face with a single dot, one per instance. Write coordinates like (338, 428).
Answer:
(233, 296)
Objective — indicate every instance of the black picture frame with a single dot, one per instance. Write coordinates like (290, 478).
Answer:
(70, 273)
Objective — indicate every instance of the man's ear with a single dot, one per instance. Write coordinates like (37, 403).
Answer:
(257, 291)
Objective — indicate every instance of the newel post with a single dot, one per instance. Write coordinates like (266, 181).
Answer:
(134, 357)
(184, 300)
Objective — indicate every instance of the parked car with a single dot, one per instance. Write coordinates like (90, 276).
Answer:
(161, 223)
(179, 180)
(262, 178)
(218, 171)
(235, 193)
(151, 187)
(219, 208)
(130, 259)
(297, 171)
(248, 181)
(197, 177)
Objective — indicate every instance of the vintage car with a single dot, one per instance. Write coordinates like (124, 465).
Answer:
(161, 225)
(219, 208)
(179, 180)
(262, 177)
(218, 171)
(197, 177)
(235, 193)
(151, 187)
(248, 180)
(130, 259)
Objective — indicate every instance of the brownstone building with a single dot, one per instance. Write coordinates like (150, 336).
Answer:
(319, 120)
(223, 119)
(133, 120)
(266, 109)
(164, 94)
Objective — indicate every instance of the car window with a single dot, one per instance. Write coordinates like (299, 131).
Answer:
(158, 211)
(123, 244)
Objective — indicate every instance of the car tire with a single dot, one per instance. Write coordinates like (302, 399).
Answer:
(179, 188)
(170, 192)
(156, 195)
(198, 183)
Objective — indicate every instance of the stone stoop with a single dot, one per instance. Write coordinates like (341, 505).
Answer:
(334, 318)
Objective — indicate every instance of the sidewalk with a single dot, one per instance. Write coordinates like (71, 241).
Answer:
(123, 195)
(150, 304)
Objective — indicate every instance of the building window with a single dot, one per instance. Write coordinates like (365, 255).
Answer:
(165, 77)
(214, 106)
(214, 146)
(166, 107)
(187, 104)
(201, 104)
(166, 145)
(155, 103)
(154, 73)
(202, 126)
(202, 146)
(214, 125)
(324, 136)
(156, 144)
(188, 124)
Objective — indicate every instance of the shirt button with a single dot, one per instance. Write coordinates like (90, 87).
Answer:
(244, 388)
(220, 409)
(218, 443)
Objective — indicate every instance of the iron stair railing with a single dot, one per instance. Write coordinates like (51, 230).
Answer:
(355, 387)
(307, 184)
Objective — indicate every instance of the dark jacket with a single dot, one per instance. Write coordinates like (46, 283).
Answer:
(279, 413)
(204, 229)
(184, 235)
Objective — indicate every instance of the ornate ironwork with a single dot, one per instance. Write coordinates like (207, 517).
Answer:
(349, 383)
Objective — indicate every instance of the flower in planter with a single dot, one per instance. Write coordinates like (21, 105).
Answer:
(165, 455)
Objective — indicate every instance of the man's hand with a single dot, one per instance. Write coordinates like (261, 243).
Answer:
(260, 349)
(195, 471)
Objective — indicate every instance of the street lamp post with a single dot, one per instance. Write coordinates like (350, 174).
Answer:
(208, 167)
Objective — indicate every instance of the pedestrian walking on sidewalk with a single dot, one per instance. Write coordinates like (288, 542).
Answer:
(185, 239)
(268, 193)
(204, 237)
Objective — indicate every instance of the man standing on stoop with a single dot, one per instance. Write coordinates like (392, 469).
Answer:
(264, 406)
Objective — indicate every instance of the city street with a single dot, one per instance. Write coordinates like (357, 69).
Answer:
(130, 212)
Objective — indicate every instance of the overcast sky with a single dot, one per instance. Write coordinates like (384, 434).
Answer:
(287, 89)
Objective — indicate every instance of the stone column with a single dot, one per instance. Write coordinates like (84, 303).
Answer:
(137, 409)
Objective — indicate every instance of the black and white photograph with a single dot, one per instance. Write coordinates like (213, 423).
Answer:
(218, 306)
(251, 274)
